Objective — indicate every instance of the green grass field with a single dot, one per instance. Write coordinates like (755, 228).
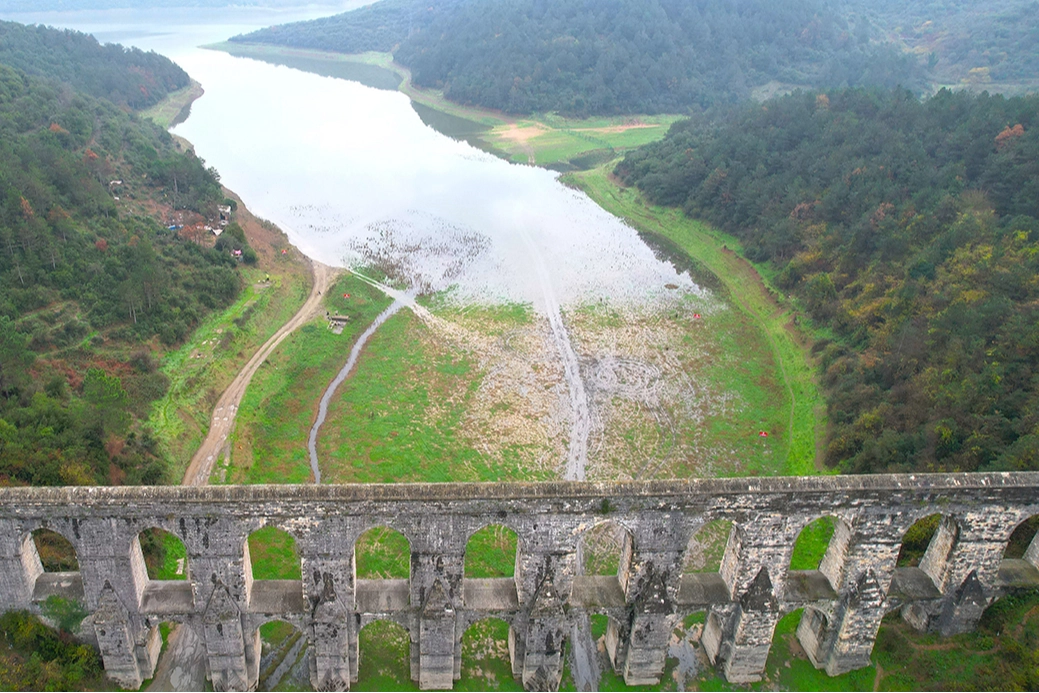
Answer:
(273, 555)
(398, 418)
(402, 414)
(280, 403)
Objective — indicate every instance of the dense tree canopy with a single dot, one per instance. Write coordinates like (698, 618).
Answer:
(126, 76)
(84, 286)
(581, 57)
(981, 44)
(909, 232)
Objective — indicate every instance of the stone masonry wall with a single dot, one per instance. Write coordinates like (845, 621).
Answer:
(857, 583)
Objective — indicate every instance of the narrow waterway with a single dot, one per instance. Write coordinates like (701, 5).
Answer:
(322, 410)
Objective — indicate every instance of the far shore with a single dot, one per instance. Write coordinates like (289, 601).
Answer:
(544, 139)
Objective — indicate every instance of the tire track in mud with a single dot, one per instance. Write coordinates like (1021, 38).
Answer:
(581, 419)
(355, 352)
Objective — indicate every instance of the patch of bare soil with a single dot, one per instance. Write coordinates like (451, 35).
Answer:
(522, 134)
(267, 240)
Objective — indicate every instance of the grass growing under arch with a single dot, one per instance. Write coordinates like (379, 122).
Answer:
(812, 543)
(491, 553)
(382, 553)
(274, 555)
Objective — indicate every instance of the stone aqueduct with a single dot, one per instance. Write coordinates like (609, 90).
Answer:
(857, 582)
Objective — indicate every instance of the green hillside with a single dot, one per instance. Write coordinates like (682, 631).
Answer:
(611, 57)
(909, 233)
(92, 281)
(127, 77)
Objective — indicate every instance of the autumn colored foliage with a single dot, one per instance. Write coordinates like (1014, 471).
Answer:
(908, 232)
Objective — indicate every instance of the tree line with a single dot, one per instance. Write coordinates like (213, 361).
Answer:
(579, 58)
(908, 231)
(127, 77)
(87, 289)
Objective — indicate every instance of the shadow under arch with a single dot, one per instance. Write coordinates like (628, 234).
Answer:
(51, 565)
(1024, 542)
(54, 551)
(916, 541)
(281, 648)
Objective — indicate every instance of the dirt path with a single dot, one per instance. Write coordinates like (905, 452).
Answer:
(220, 427)
(182, 666)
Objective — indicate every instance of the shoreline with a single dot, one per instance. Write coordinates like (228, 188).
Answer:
(266, 239)
(175, 108)
(805, 430)
(748, 290)
(546, 140)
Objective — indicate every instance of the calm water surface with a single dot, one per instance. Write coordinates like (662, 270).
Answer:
(355, 177)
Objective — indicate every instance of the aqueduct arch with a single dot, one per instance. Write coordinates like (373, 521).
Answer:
(857, 581)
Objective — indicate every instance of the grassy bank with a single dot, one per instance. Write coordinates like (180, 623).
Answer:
(722, 255)
(175, 107)
(204, 366)
(280, 402)
(540, 139)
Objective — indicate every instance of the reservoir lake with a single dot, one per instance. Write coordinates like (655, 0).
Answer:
(357, 179)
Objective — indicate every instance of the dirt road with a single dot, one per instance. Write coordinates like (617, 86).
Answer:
(220, 427)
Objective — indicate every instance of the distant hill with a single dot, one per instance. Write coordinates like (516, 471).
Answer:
(78, 5)
(909, 232)
(990, 45)
(125, 76)
(579, 57)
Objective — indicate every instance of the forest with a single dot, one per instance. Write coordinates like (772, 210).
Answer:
(990, 45)
(581, 58)
(88, 290)
(908, 231)
(127, 77)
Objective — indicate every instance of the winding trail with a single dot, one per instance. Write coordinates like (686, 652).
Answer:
(226, 408)
(322, 410)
